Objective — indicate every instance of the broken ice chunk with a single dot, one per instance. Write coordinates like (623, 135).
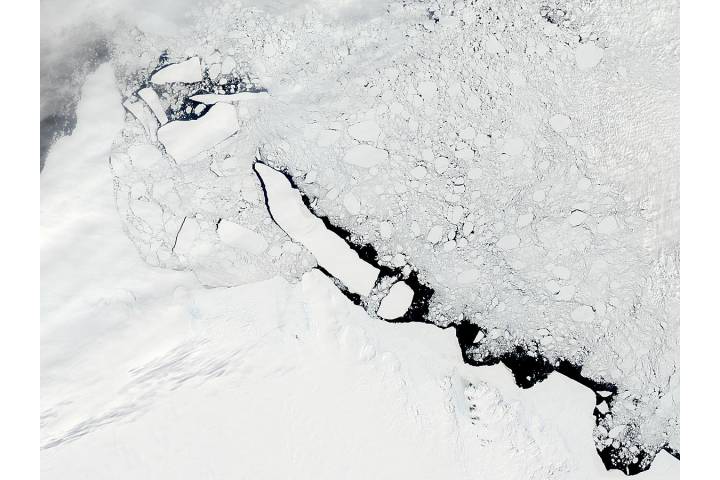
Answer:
(435, 234)
(588, 55)
(576, 218)
(153, 101)
(418, 172)
(386, 230)
(512, 146)
(474, 173)
(397, 301)
(441, 164)
(561, 272)
(188, 71)
(525, 220)
(185, 139)
(186, 236)
(455, 214)
(566, 293)
(144, 116)
(352, 203)
(607, 225)
(228, 65)
(365, 156)
(583, 314)
(467, 134)
(469, 276)
(367, 131)
(235, 235)
(478, 338)
(427, 90)
(214, 71)
(492, 45)
(559, 122)
(144, 155)
(331, 252)
(509, 242)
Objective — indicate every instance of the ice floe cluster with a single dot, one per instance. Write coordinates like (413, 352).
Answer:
(518, 159)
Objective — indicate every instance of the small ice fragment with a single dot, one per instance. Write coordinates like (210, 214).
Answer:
(435, 234)
(236, 235)
(566, 293)
(577, 218)
(396, 302)
(365, 156)
(468, 276)
(351, 203)
(441, 164)
(607, 225)
(186, 236)
(509, 242)
(367, 131)
(552, 287)
(144, 155)
(513, 146)
(467, 133)
(386, 230)
(583, 314)
(214, 71)
(492, 45)
(153, 101)
(561, 272)
(456, 214)
(588, 55)
(228, 65)
(419, 172)
(327, 137)
(559, 122)
(144, 116)
(474, 173)
(427, 90)
(525, 220)
(482, 140)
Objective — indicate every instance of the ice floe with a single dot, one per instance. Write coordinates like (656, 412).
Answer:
(188, 71)
(185, 139)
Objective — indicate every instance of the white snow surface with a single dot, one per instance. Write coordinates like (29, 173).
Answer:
(161, 320)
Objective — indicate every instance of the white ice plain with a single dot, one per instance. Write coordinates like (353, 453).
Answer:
(148, 374)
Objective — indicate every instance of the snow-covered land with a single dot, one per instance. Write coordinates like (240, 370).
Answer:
(254, 233)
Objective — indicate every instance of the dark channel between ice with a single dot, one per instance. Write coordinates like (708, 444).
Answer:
(527, 366)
